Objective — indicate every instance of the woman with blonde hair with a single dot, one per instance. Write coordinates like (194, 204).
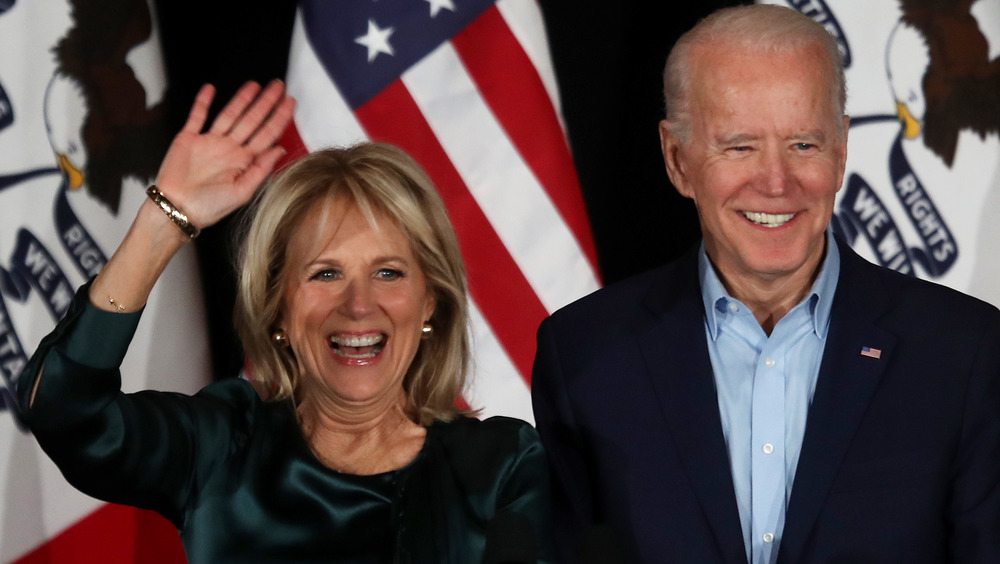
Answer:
(346, 445)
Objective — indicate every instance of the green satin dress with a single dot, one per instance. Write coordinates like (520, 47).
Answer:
(237, 478)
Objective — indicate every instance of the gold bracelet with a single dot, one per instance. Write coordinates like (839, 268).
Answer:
(175, 215)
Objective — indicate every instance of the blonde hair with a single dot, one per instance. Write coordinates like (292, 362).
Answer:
(378, 178)
(758, 28)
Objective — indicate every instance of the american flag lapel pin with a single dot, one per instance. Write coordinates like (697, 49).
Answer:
(871, 352)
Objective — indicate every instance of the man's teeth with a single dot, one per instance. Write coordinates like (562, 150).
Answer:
(769, 219)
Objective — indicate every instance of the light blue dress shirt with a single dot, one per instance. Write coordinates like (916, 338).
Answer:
(765, 385)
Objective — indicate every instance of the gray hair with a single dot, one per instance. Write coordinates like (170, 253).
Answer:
(758, 27)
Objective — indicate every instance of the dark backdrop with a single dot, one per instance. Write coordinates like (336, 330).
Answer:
(608, 58)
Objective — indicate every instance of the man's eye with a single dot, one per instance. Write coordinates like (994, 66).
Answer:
(804, 146)
(740, 148)
(389, 274)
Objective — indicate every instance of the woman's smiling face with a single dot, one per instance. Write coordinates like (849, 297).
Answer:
(354, 305)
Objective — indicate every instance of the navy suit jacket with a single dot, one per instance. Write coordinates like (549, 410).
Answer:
(901, 456)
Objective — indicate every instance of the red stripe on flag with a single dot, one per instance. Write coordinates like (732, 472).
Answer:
(498, 286)
(293, 145)
(114, 534)
(509, 83)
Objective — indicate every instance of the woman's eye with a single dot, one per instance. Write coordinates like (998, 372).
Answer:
(388, 274)
(325, 275)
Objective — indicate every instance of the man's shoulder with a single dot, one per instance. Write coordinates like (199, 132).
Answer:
(916, 298)
(627, 291)
(633, 296)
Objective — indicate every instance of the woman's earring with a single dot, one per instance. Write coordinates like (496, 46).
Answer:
(280, 339)
(426, 331)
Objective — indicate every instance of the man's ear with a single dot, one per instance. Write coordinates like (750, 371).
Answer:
(673, 159)
(843, 154)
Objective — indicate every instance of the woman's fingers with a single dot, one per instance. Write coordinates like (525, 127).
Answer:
(205, 173)
(258, 113)
(199, 110)
(234, 110)
(258, 170)
(267, 134)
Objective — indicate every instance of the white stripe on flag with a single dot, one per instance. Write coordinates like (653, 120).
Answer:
(508, 193)
(494, 384)
(322, 116)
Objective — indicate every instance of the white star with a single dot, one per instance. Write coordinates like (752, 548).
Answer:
(436, 6)
(376, 40)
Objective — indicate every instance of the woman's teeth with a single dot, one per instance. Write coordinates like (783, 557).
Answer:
(357, 346)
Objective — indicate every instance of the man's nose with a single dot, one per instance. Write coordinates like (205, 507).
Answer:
(774, 173)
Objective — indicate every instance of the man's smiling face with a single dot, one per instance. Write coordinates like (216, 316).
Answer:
(764, 160)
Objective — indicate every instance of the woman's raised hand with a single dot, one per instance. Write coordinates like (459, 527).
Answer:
(208, 175)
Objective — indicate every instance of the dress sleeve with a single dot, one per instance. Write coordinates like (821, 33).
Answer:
(149, 449)
(525, 489)
(480, 485)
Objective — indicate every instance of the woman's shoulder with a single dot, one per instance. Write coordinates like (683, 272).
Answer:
(497, 430)
(497, 463)
(236, 391)
(231, 410)
(236, 400)
(474, 445)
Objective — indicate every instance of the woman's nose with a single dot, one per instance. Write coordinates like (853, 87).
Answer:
(358, 299)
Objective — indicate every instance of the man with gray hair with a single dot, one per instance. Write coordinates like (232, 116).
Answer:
(770, 396)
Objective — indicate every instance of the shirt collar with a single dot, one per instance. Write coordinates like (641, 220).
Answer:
(716, 298)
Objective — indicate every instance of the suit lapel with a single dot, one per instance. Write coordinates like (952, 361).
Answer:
(677, 361)
(847, 381)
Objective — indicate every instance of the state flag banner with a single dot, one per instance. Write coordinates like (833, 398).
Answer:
(82, 130)
(467, 88)
(922, 179)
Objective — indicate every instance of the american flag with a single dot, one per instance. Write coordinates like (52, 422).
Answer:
(871, 353)
(467, 88)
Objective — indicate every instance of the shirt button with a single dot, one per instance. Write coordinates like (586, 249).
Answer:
(769, 362)
(768, 538)
(733, 307)
(768, 448)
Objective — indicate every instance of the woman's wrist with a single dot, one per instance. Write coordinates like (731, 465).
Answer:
(129, 276)
(158, 228)
(173, 213)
